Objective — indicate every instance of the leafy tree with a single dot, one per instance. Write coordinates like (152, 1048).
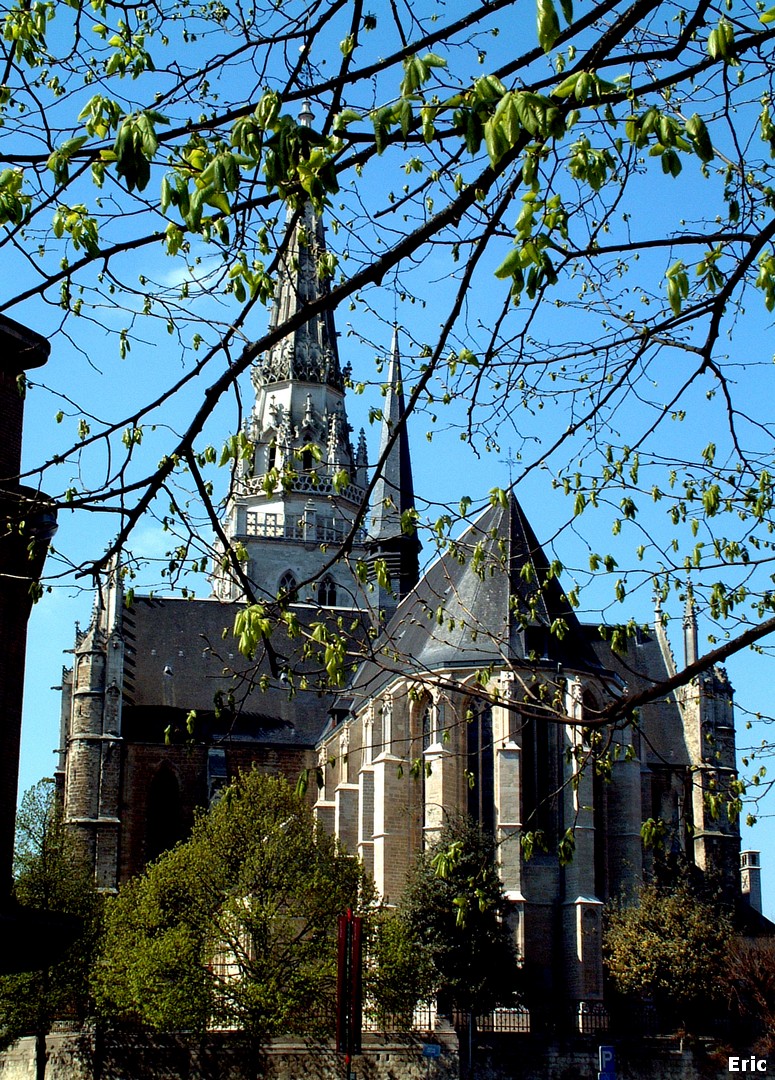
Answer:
(670, 945)
(49, 877)
(399, 973)
(237, 925)
(584, 201)
(750, 985)
(457, 914)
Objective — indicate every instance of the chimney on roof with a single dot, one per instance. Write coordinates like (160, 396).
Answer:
(751, 878)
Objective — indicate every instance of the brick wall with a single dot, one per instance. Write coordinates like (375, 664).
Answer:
(188, 764)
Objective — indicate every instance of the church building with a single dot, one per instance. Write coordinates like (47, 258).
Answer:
(475, 687)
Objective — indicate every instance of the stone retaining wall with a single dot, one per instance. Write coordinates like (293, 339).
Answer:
(225, 1056)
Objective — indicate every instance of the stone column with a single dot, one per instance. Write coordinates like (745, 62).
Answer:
(581, 913)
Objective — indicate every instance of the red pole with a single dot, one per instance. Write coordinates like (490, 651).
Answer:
(349, 986)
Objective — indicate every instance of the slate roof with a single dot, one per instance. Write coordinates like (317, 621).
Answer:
(174, 662)
(639, 668)
(480, 603)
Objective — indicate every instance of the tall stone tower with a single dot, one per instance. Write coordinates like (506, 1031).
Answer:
(93, 740)
(304, 484)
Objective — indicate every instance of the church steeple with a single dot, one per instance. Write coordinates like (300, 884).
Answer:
(298, 494)
(394, 495)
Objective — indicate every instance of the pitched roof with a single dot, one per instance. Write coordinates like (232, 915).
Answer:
(490, 598)
(639, 668)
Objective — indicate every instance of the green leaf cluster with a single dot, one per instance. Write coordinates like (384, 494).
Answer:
(135, 146)
(50, 875)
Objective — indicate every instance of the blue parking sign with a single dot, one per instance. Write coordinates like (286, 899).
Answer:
(431, 1050)
(607, 1062)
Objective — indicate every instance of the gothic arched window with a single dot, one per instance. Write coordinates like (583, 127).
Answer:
(422, 737)
(288, 584)
(426, 721)
(591, 710)
(540, 772)
(327, 592)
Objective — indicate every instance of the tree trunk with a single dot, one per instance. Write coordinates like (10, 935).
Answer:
(41, 1055)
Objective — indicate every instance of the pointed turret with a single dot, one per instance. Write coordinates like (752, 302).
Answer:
(93, 734)
(690, 627)
(394, 496)
(361, 460)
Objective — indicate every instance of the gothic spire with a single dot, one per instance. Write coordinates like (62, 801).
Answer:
(310, 353)
(302, 484)
(394, 490)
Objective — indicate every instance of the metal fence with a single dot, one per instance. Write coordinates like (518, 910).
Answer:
(422, 1019)
(590, 1017)
(514, 1021)
(425, 1019)
(581, 1018)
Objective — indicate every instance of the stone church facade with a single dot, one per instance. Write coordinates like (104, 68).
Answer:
(454, 701)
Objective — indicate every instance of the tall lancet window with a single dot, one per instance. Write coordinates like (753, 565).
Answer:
(427, 725)
(481, 768)
(368, 736)
(387, 727)
(422, 737)
(591, 711)
(165, 825)
(540, 771)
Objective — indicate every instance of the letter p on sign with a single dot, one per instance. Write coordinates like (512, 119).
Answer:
(607, 1062)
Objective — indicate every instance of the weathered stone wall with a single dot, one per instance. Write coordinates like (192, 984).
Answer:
(223, 1057)
(515, 1057)
(188, 764)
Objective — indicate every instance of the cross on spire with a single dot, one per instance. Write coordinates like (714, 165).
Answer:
(509, 460)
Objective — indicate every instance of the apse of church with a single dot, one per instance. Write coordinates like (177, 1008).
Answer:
(409, 748)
